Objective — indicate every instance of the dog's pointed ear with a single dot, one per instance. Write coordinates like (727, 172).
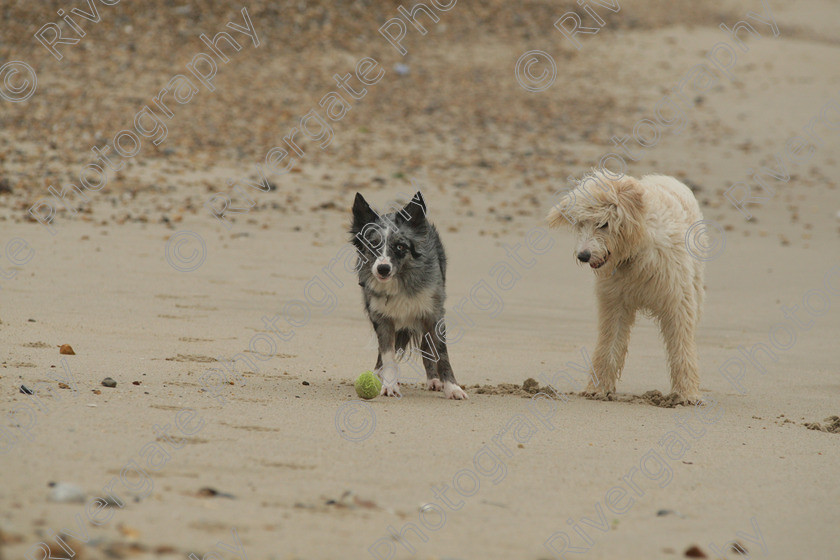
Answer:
(362, 212)
(415, 211)
(561, 213)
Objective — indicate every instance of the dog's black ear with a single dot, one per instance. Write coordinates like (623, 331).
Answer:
(415, 211)
(362, 212)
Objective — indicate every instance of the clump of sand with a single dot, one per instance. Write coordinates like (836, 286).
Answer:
(832, 425)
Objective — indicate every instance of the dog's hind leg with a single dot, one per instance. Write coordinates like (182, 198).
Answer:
(678, 331)
(386, 363)
(699, 290)
(615, 320)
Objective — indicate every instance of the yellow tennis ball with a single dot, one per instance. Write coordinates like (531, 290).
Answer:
(368, 385)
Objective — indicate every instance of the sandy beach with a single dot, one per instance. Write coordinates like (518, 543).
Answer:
(205, 268)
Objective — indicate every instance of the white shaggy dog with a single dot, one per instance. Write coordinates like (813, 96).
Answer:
(632, 233)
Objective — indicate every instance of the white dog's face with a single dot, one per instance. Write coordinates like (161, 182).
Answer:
(593, 242)
(606, 216)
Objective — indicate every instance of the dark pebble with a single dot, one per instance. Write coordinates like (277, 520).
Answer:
(208, 492)
(108, 382)
(695, 552)
(306, 383)
(26, 390)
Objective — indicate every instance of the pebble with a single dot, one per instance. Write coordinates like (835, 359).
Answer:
(108, 382)
(695, 552)
(665, 512)
(208, 492)
(26, 390)
(66, 493)
(66, 349)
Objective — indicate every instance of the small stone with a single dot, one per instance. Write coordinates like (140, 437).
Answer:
(695, 552)
(66, 349)
(97, 392)
(26, 390)
(63, 386)
(108, 382)
(66, 493)
(208, 492)
(135, 383)
(305, 383)
(667, 512)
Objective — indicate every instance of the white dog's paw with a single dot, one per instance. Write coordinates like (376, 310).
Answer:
(390, 390)
(453, 391)
(434, 384)
(692, 399)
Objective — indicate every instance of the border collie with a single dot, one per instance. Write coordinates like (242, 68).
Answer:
(402, 272)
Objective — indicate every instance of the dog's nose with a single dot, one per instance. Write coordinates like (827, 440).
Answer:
(383, 269)
(584, 256)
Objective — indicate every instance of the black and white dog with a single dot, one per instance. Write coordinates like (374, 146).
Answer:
(402, 272)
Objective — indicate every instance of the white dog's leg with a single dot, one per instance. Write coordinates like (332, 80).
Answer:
(678, 331)
(614, 323)
(390, 374)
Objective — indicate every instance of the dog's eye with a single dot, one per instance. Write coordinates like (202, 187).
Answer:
(401, 247)
(604, 225)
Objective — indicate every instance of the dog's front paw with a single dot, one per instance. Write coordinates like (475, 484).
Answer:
(598, 395)
(434, 384)
(390, 390)
(597, 392)
(453, 391)
(691, 400)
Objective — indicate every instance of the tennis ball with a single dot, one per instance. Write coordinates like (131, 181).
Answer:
(368, 385)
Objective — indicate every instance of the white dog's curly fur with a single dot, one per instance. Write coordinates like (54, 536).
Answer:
(632, 233)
